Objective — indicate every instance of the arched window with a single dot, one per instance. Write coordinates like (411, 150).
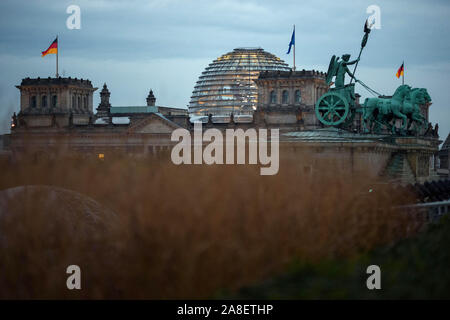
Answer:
(85, 103)
(285, 97)
(79, 102)
(33, 102)
(44, 102)
(298, 96)
(54, 101)
(74, 103)
(273, 96)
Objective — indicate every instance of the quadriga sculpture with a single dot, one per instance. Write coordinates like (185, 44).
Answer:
(338, 107)
(404, 105)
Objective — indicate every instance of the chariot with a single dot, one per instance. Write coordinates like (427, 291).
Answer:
(337, 106)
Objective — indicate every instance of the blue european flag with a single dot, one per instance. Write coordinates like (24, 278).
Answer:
(292, 43)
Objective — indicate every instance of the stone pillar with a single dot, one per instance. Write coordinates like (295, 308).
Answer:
(104, 108)
(151, 100)
(104, 96)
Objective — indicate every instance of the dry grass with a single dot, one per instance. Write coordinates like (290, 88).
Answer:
(183, 232)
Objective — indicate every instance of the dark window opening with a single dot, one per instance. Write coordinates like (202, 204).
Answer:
(285, 98)
(273, 97)
(33, 102)
(298, 96)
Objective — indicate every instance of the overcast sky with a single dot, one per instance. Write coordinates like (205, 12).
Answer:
(166, 44)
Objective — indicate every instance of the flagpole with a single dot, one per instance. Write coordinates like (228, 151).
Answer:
(57, 51)
(403, 73)
(294, 47)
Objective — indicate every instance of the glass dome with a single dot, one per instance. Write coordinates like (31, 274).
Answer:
(226, 86)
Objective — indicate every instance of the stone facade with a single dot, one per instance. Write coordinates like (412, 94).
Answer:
(401, 160)
(142, 136)
(40, 99)
(288, 98)
(56, 102)
(286, 101)
(69, 126)
(444, 159)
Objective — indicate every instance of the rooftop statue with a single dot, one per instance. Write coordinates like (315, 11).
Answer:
(337, 107)
(339, 69)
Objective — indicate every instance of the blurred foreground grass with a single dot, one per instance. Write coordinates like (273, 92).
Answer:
(185, 231)
(415, 268)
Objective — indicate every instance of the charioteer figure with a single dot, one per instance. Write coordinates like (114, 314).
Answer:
(340, 67)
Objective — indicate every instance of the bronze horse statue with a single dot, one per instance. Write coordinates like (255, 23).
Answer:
(417, 97)
(404, 105)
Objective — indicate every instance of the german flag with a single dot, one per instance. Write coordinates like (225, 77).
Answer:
(52, 49)
(400, 71)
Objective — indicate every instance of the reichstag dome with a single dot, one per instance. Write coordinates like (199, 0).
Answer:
(226, 86)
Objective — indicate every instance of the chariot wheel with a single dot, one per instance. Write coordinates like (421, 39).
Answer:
(332, 109)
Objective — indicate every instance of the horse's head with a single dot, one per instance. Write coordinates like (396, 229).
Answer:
(420, 95)
(401, 92)
(426, 96)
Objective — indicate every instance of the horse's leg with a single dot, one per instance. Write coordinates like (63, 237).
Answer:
(373, 125)
(419, 121)
(364, 125)
(367, 114)
(363, 120)
(400, 115)
(378, 122)
(368, 122)
(409, 122)
(393, 127)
